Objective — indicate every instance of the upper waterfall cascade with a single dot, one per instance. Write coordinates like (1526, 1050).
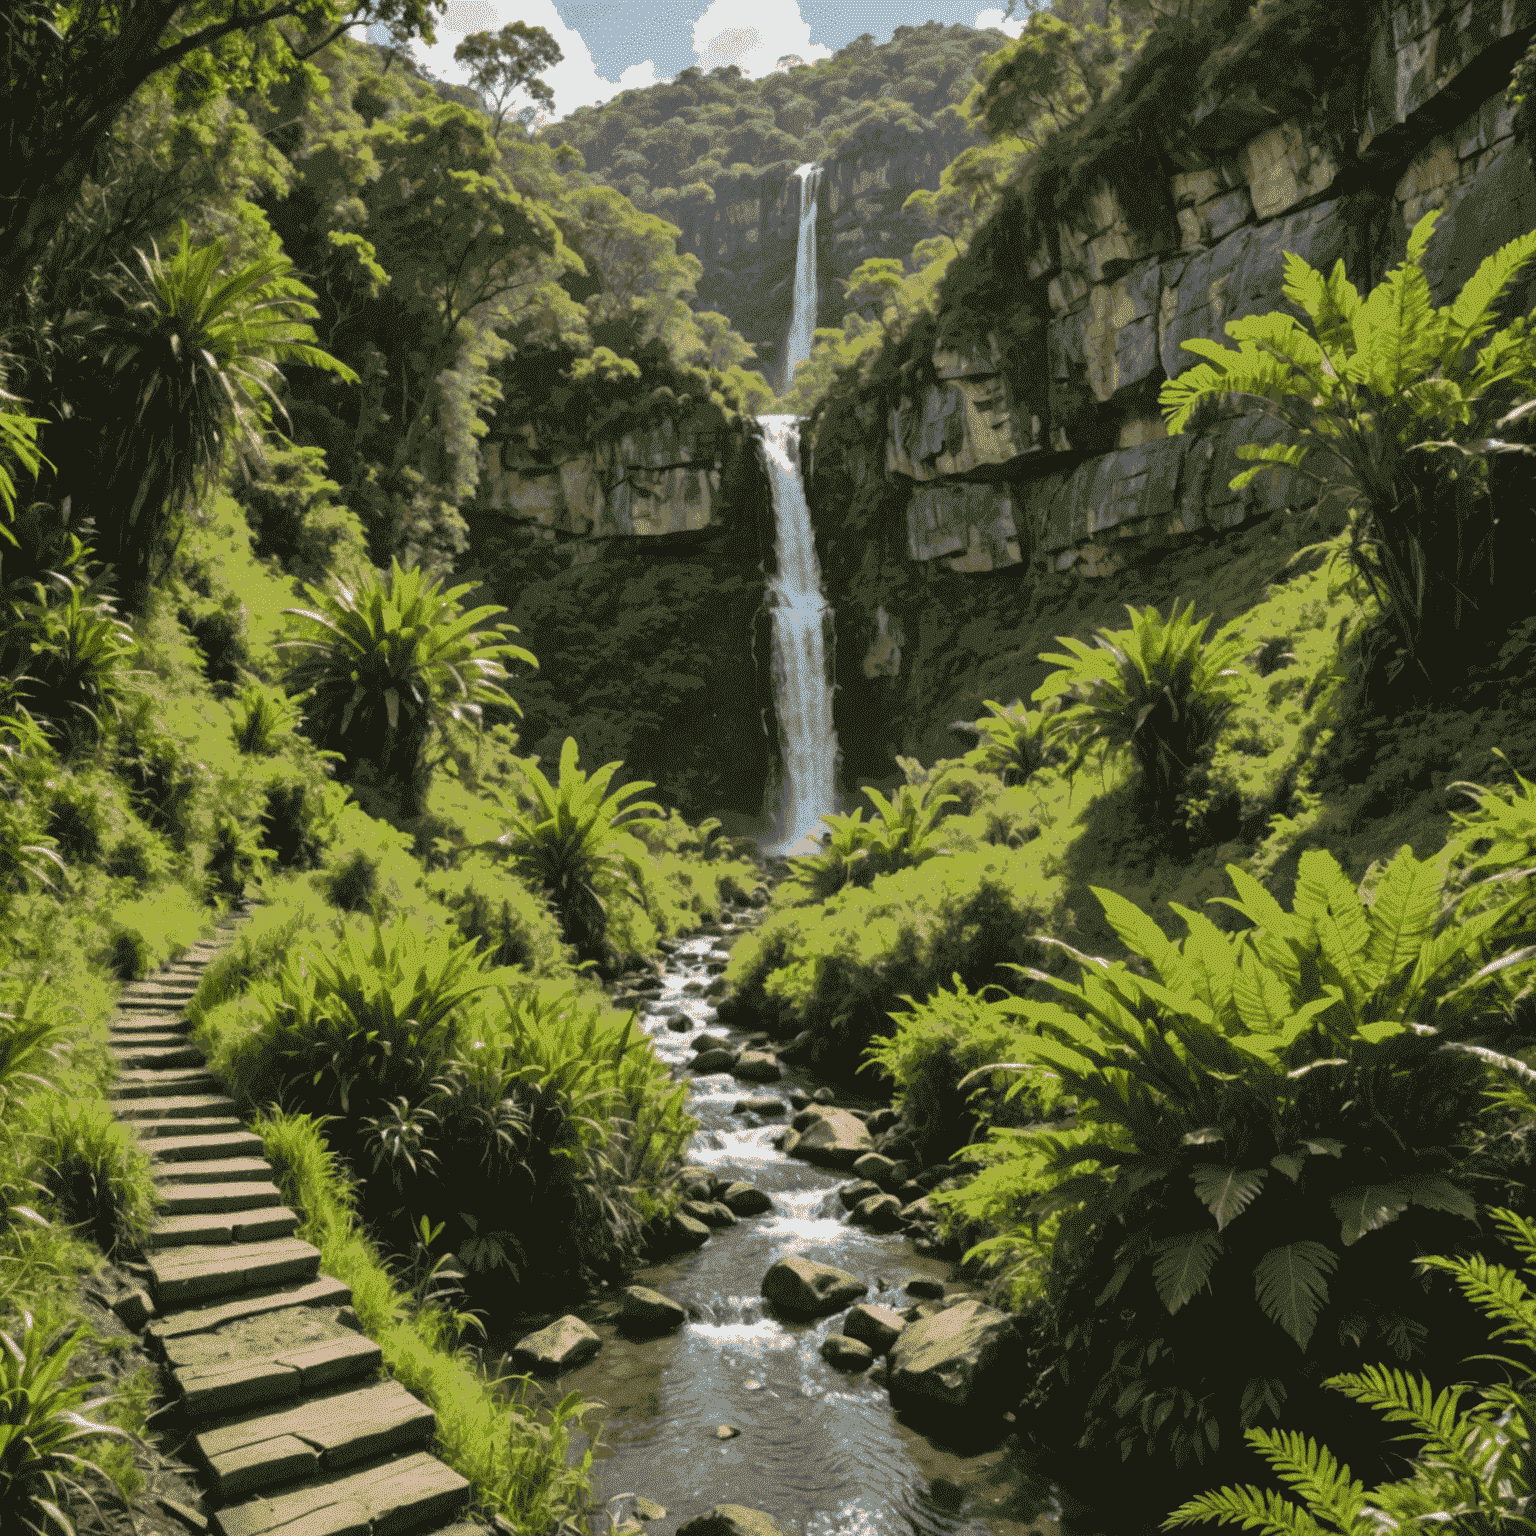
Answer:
(807, 789)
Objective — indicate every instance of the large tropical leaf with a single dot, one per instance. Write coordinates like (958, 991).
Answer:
(1291, 1285)
(1225, 1191)
(1183, 1265)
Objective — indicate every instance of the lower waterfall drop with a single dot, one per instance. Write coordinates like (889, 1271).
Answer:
(807, 789)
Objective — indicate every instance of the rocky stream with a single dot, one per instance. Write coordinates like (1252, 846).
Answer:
(794, 1356)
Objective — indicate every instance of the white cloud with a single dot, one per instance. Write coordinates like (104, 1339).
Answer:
(994, 18)
(754, 35)
(574, 80)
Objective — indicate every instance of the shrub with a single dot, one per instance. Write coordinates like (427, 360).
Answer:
(368, 865)
(143, 934)
(79, 652)
(513, 925)
(27, 853)
(575, 831)
(235, 856)
(1156, 688)
(1012, 745)
(383, 668)
(1476, 1469)
(163, 776)
(96, 1175)
(42, 1425)
(260, 717)
(1326, 1068)
(1390, 392)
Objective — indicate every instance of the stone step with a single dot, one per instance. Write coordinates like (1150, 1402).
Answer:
(225, 1386)
(203, 1125)
(214, 1170)
(188, 1149)
(209, 1228)
(403, 1495)
(173, 1107)
(180, 1275)
(145, 1084)
(202, 1199)
(156, 1057)
(322, 1434)
(139, 1024)
(325, 1291)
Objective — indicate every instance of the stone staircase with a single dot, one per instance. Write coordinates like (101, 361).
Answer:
(298, 1432)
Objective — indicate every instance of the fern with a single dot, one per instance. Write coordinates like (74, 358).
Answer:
(1291, 1284)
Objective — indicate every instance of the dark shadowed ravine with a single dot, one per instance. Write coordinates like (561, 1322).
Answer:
(819, 1449)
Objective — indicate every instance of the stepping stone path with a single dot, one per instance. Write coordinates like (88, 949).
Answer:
(298, 1432)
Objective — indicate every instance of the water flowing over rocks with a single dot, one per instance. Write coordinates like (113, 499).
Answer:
(803, 1288)
(732, 1520)
(745, 1200)
(846, 1354)
(875, 1325)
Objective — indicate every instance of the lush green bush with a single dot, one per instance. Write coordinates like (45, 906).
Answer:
(1476, 1466)
(1390, 393)
(367, 865)
(1157, 688)
(1324, 1067)
(383, 668)
(513, 925)
(96, 1175)
(143, 934)
(841, 968)
(1013, 742)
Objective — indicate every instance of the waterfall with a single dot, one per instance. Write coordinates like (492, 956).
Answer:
(807, 789)
(803, 317)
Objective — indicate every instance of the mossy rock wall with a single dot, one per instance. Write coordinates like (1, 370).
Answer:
(1016, 441)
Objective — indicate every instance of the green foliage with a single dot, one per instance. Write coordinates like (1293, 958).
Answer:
(350, 1027)
(384, 668)
(18, 444)
(1013, 744)
(575, 831)
(366, 865)
(96, 1176)
(1474, 1469)
(1324, 1067)
(27, 853)
(1392, 392)
(293, 519)
(235, 856)
(503, 63)
(42, 1424)
(1156, 688)
(189, 365)
(260, 717)
(142, 934)
(514, 925)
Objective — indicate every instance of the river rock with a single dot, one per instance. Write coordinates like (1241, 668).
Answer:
(919, 1210)
(710, 1042)
(883, 1120)
(711, 1212)
(646, 1311)
(757, 1067)
(879, 1170)
(679, 1023)
(697, 1183)
(898, 1146)
(798, 1098)
(798, 1049)
(566, 1343)
(846, 1354)
(966, 1357)
(874, 1325)
(766, 1105)
(648, 1509)
(823, 1096)
(743, 1199)
(831, 1138)
(922, 1287)
(881, 1213)
(686, 1231)
(853, 1194)
(717, 1060)
(911, 1191)
(732, 1520)
(803, 1288)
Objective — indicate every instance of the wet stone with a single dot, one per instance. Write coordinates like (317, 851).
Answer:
(757, 1067)
(743, 1199)
(801, 1287)
(679, 1023)
(646, 1311)
(716, 1060)
(766, 1105)
(874, 1325)
(846, 1354)
(711, 1212)
(856, 1193)
(565, 1344)
(732, 1520)
(710, 1042)
(924, 1287)
(881, 1213)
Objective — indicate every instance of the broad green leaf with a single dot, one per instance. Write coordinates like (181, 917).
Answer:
(1368, 1207)
(1291, 1285)
(1226, 1192)
(1436, 1193)
(1402, 916)
(1182, 1265)
(1288, 1163)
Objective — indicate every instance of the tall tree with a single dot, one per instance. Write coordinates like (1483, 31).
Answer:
(503, 63)
(69, 67)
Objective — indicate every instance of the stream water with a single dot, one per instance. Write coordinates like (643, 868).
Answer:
(819, 1449)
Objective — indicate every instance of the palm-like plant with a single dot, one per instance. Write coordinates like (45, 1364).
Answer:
(1476, 1470)
(1158, 688)
(42, 1421)
(79, 649)
(1324, 1067)
(260, 717)
(188, 369)
(18, 444)
(382, 668)
(575, 832)
(25, 852)
(1392, 394)
(1012, 741)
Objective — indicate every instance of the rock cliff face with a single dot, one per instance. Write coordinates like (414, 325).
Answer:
(1062, 462)
(746, 239)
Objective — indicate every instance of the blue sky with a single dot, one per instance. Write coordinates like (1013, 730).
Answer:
(612, 45)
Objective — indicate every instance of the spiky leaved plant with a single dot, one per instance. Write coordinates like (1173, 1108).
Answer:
(575, 832)
(1158, 688)
(1476, 1467)
(1012, 741)
(384, 668)
(1393, 407)
(1269, 1116)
